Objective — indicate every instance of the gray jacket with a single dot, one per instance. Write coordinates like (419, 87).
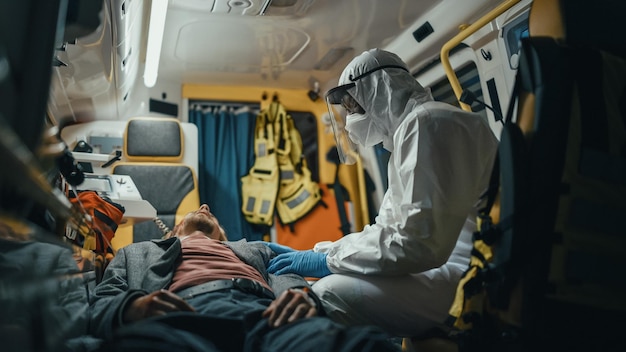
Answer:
(42, 287)
(145, 267)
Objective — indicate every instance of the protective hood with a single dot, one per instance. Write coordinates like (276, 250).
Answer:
(381, 83)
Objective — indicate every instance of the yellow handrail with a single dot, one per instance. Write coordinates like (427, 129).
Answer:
(452, 43)
(365, 216)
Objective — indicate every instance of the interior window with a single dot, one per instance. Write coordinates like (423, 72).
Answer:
(469, 79)
(512, 33)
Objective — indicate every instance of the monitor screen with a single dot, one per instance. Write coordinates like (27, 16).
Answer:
(96, 183)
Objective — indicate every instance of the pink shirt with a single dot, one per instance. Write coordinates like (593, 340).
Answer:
(204, 260)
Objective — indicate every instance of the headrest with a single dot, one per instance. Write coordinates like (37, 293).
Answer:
(580, 23)
(153, 139)
(545, 19)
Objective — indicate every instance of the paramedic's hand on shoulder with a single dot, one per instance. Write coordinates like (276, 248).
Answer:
(303, 263)
(156, 303)
(291, 305)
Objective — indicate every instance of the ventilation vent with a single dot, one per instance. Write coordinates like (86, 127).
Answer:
(422, 32)
(163, 107)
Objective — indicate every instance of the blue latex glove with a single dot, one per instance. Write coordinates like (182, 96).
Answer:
(279, 248)
(304, 263)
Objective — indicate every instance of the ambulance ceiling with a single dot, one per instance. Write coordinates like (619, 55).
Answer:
(277, 42)
(290, 43)
(269, 43)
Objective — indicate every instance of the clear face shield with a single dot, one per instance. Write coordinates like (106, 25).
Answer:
(338, 99)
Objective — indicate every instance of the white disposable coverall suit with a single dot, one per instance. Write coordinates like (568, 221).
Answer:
(401, 273)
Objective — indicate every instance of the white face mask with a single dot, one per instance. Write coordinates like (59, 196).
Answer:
(362, 131)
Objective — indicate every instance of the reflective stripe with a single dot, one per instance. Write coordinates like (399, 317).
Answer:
(299, 199)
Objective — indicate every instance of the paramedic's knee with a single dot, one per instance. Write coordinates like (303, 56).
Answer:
(341, 297)
(333, 286)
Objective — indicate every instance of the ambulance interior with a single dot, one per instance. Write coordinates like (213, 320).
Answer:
(90, 103)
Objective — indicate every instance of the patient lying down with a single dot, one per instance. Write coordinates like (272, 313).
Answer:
(205, 292)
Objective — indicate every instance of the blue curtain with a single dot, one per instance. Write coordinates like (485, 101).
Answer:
(226, 153)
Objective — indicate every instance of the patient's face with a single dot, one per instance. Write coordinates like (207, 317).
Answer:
(201, 220)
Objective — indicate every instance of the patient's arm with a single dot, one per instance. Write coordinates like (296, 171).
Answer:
(156, 303)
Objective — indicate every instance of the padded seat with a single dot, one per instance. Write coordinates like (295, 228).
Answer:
(153, 151)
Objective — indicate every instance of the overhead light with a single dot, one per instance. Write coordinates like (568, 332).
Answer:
(158, 11)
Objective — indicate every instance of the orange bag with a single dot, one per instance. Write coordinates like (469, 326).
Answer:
(105, 215)
(321, 224)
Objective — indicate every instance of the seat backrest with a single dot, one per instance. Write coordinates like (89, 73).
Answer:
(573, 80)
(548, 275)
(153, 150)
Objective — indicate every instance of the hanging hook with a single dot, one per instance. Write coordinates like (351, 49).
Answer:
(275, 98)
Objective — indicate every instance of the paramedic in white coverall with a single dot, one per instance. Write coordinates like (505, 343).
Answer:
(401, 273)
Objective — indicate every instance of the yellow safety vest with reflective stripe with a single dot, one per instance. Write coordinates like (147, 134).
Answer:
(279, 180)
